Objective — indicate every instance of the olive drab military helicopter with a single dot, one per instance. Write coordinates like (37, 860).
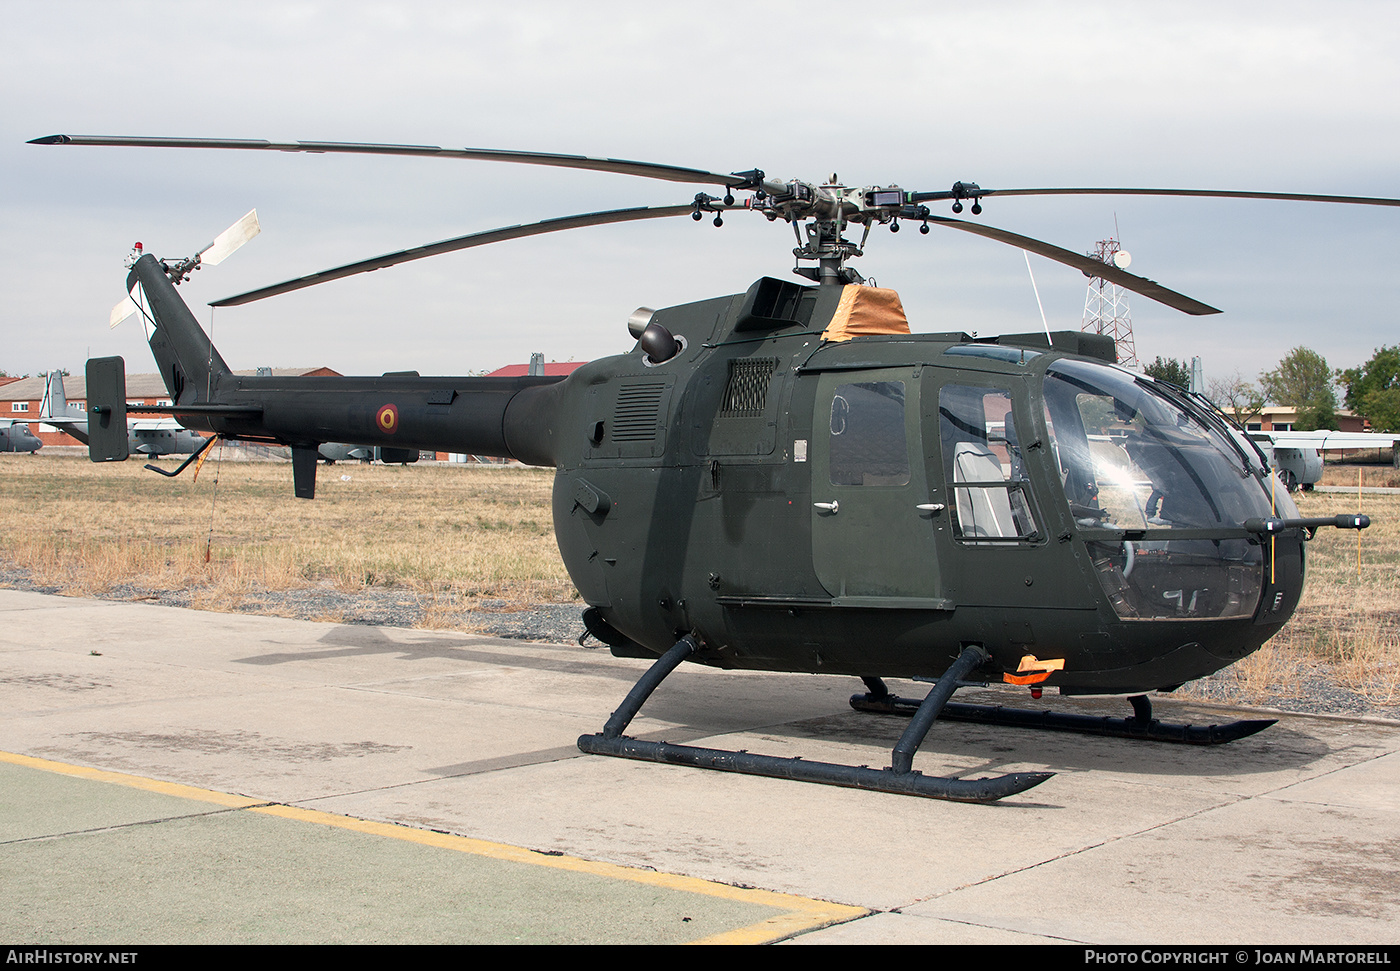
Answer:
(787, 479)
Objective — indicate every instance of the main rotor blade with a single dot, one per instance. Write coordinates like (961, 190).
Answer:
(1087, 264)
(457, 243)
(647, 170)
(1200, 193)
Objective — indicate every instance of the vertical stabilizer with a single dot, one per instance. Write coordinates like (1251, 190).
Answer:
(55, 403)
(54, 408)
(189, 364)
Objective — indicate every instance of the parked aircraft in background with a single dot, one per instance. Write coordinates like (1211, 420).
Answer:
(332, 452)
(15, 436)
(147, 436)
(1298, 455)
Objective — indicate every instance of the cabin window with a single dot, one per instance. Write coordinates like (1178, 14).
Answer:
(984, 465)
(869, 444)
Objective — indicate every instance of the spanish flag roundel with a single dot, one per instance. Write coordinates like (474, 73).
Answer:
(387, 419)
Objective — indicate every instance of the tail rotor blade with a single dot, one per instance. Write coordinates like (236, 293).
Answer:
(122, 311)
(230, 239)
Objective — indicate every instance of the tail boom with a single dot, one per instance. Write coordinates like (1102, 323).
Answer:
(508, 417)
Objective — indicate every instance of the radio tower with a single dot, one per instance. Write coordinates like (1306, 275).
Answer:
(1106, 305)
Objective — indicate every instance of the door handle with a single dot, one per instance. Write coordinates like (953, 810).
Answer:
(832, 507)
(934, 507)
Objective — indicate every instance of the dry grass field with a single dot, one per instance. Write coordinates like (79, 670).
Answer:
(1346, 631)
(456, 533)
(456, 536)
(1381, 474)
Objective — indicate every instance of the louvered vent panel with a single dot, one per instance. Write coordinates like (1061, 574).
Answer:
(634, 420)
(746, 395)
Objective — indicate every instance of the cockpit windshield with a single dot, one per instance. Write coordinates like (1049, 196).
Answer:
(1136, 459)
(1131, 457)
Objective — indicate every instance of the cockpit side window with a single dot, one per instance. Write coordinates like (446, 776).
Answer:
(984, 465)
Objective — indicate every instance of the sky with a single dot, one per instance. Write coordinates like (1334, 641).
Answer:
(1268, 96)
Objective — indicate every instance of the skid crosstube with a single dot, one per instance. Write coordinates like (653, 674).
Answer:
(1140, 726)
(900, 778)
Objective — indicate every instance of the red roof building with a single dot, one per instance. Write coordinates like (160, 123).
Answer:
(551, 369)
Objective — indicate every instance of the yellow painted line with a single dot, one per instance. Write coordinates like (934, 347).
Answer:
(133, 781)
(803, 913)
(799, 913)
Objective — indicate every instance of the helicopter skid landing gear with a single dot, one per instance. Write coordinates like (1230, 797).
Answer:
(901, 778)
(1142, 725)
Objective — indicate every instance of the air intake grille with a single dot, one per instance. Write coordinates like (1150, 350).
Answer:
(746, 395)
(637, 408)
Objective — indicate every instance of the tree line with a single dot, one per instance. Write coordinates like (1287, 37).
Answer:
(1304, 381)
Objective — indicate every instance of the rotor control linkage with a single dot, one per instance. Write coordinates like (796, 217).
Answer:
(612, 742)
(1140, 726)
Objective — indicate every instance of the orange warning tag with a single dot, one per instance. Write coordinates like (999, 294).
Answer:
(200, 464)
(1032, 670)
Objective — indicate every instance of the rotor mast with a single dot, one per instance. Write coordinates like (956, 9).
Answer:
(820, 211)
(825, 244)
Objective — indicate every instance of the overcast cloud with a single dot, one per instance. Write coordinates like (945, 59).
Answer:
(1272, 96)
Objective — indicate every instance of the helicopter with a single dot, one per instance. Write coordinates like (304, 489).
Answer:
(789, 479)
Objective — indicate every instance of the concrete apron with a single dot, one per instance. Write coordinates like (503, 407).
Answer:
(263, 779)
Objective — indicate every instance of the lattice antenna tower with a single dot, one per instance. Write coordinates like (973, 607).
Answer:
(1106, 304)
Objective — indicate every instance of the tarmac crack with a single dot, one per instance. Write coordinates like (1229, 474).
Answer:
(1068, 854)
(980, 926)
(139, 822)
(1378, 753)
(1077, 851)
(458, 771)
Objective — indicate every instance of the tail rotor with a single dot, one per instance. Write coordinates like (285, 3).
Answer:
(223, 246)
